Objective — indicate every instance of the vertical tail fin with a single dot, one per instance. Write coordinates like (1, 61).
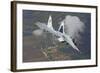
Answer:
(61, 27)
(49, 24)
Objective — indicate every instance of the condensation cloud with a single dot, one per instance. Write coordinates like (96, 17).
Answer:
(73, 26)
(37, 32)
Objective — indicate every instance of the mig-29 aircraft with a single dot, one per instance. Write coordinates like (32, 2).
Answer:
(62, 36)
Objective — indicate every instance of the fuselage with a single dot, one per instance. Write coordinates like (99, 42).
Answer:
(60, 33)
(64, 36)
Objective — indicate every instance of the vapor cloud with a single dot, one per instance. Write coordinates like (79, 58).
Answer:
(37, 32)
(73, 26)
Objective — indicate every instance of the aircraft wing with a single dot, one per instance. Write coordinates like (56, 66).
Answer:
(69, 40)
(43, 26)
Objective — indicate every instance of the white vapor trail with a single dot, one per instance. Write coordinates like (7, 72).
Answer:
(73, 26)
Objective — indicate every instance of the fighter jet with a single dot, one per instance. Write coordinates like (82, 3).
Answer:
(62, 36)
